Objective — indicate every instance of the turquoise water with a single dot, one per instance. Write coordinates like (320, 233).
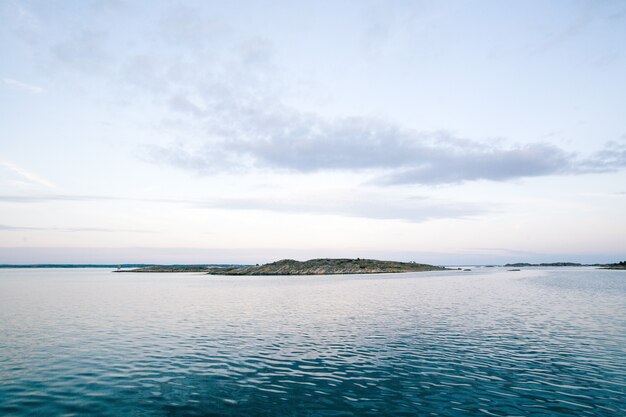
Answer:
(488, 342)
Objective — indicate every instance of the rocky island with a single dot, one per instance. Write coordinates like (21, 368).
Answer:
(291, 267)
(327, 267)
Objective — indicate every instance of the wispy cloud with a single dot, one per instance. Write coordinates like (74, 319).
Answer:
(500, 251)
(26, 175)
(414, 210)
(612, 157)
(68, 229)
(361, 205)
(16, 16)
(586, 15)
(46, 198)
(84, 50)
(29, 88)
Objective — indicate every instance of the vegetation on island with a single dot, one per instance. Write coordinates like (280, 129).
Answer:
(179, 268)
(327, 267)
(616, 265)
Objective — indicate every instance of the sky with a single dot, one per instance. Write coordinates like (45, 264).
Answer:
(447, 132)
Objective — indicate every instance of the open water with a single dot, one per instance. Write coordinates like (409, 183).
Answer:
(540, 342)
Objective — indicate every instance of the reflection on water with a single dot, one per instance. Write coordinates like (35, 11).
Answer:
(540, 342)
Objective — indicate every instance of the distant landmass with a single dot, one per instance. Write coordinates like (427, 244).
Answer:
(327, 267)
(183, 268)
(137, 267)
(521, 264)
(617, 265)
(74, 265)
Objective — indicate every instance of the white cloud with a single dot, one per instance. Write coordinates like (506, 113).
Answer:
(25, 175)
(29, 88)
(7, 228)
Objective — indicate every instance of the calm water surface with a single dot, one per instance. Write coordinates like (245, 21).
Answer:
(541, 342)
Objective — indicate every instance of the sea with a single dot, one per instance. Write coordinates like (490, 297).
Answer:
(492, 342)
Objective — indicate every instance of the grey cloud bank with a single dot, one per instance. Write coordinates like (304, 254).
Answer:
(360, 145)
(308, 144)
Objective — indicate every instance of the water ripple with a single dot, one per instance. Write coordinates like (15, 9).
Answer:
(533, 344)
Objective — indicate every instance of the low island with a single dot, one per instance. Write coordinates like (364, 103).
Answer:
(545, 264)
(327, 267)
(311, 267)
(616, 265)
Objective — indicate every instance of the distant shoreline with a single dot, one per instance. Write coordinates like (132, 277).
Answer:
(112, 266)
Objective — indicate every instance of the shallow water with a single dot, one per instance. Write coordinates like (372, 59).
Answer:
(533, 343)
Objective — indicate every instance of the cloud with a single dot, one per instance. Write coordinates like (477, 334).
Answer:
(48, 198)
(84, 50)
(581, 20)
(369, 205)
(25, 175)
(500, 251)
(68, 229)
(29, 88)
(226, 96)
(492, 164)
(15, 16)
(187, 27)
(231, 118)
(612, 157)
(372, 206)
(296, 142)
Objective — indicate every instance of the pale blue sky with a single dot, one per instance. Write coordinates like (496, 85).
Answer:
(443, 132)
